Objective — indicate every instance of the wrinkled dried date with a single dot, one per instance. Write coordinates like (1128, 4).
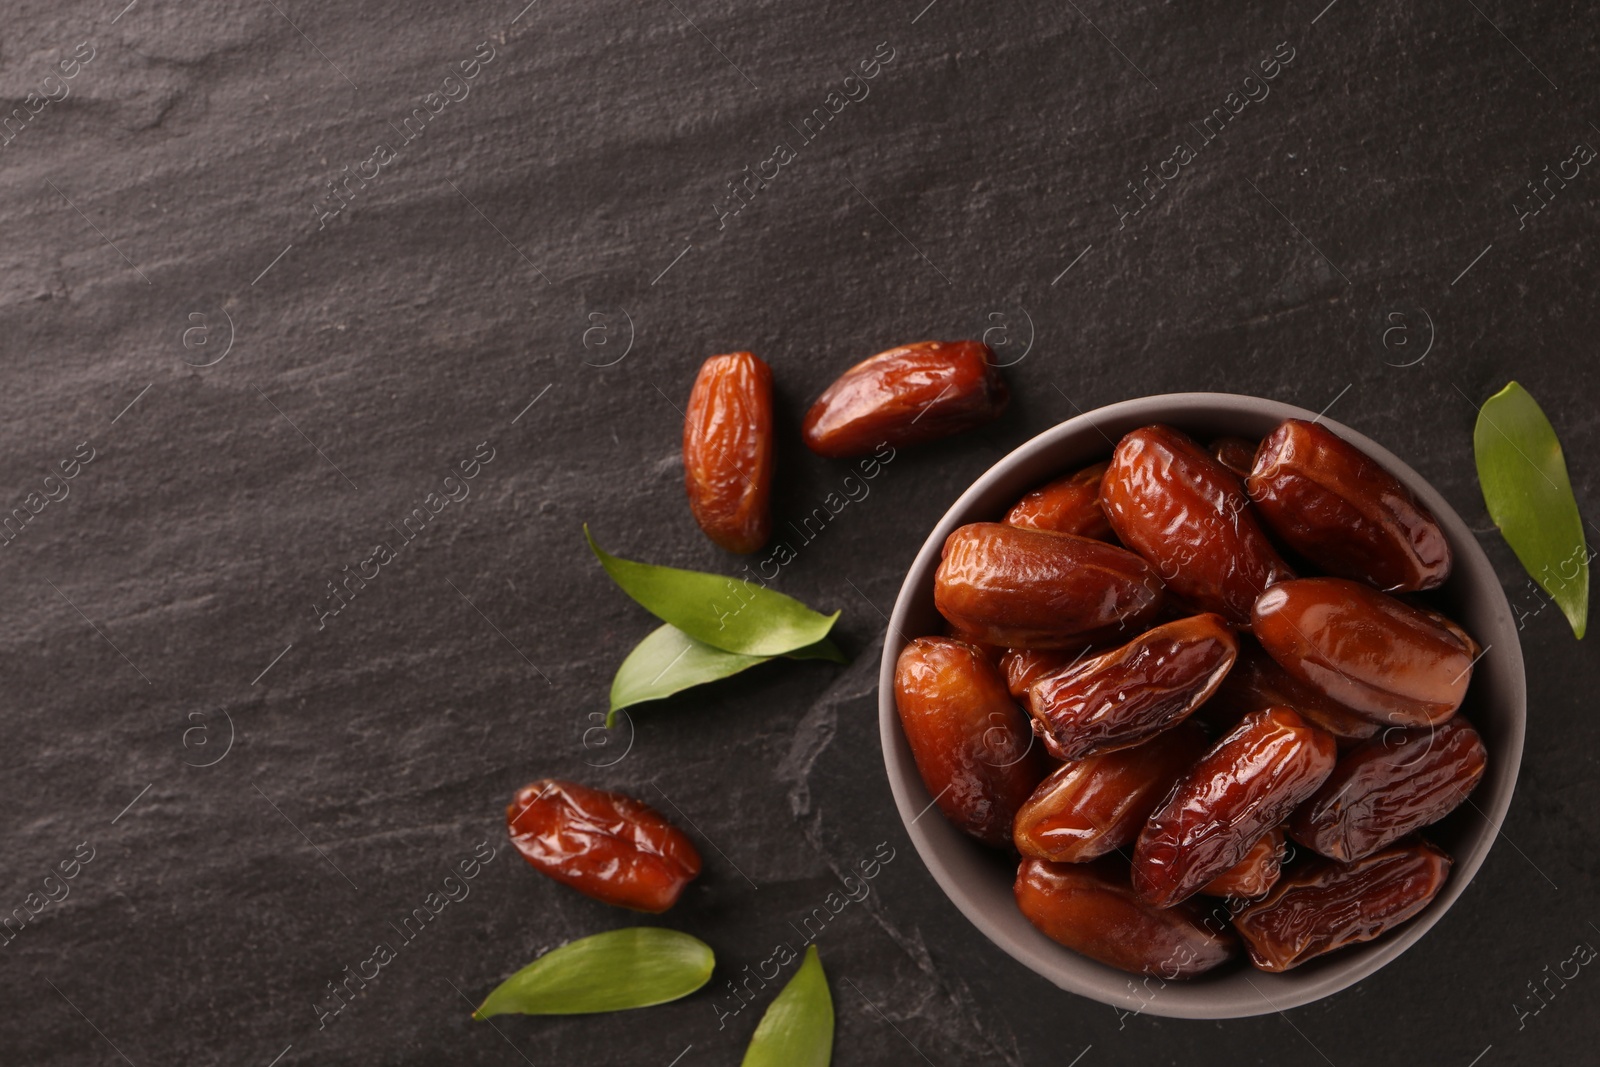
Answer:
(1121, 697)
(1020, 588)
(605, 845)
(1247, 784)
(969, 739)
(1390, 786)
(1258, 682)
(1327, 905)
(905, 396)
(1089, 908)
(1089, 807)
(1181, 509)
(1066, 505)
(728, 451)
(1254, 875)
(1395, 664)
(1340, 509)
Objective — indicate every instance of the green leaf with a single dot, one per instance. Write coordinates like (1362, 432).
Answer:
(670, 661)
(630, 968)
(1525, 485)
(726, 613)
(797, 1030)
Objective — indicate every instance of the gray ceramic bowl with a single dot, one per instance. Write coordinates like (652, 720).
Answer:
(978, 880)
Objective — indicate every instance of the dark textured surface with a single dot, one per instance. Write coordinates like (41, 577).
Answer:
(377, 352)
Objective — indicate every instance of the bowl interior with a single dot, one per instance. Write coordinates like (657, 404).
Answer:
(979, 880)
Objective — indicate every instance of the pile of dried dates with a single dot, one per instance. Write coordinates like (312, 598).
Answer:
(1220, 660)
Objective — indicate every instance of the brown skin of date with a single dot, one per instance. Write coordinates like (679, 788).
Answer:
(906, 396)
(1239, 791)
(728, 451)
(605, 845)
(1326, 905)
(1176, 505)
(1393, 663)
(1122, 697)
(1093, 806)
(1089, 908)
(1341, 510)
(969, 739)
(1067, 505)
(1020, 588)
(1389, 786)
(1254, 875)
(1235, 453)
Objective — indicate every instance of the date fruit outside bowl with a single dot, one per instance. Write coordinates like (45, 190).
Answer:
(979, 880)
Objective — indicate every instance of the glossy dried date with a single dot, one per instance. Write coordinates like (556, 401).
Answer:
(1089, 807)
(1340, 509)
(1258, 682)
(1247, 784)
(1396, 664)
(1121, 697)
(728, 451)
(608, 846)
(1020, 588)
(1089, 908)
(969, 739)
(1066, 505)
(1177, 506)
(1254, 875)
(906, 396)
(1390, 786)
(1327, 905)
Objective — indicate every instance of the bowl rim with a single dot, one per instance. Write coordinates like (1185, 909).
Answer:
(1059, 964)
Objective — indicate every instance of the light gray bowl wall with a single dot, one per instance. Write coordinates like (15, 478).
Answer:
(978, 880)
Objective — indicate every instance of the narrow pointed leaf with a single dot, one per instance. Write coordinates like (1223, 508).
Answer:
(630, 968)
(726, 613)
(670, 661)
(1524, 478)
(797, 1030)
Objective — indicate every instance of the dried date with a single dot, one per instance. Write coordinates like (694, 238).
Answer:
(1067, 505)
(1327, 905)
(1344, 512)
(1254, 875)
(1382, 790)
(969, 739)
(728, 451)
(1177, 506)
(1020, 588)
(1121, 697)
(1395, 664)
(1247, 784)
(605, 845)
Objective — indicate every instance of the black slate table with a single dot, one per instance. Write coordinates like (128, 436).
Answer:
(273, 271)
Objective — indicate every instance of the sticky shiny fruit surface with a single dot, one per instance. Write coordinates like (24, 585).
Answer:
(1247, 784)
(1344, 512)
(906, 396)
(1177, 506)
(1389, 786)
(1019, 588)
(1258, 682)
(1396, 664)
(970, 740)
(1066, 505)
(1121, 697)
(605, 845)
(1090, 807)
(1254, 875)
(728, 451)
(1090, 908)
(1327, 905)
